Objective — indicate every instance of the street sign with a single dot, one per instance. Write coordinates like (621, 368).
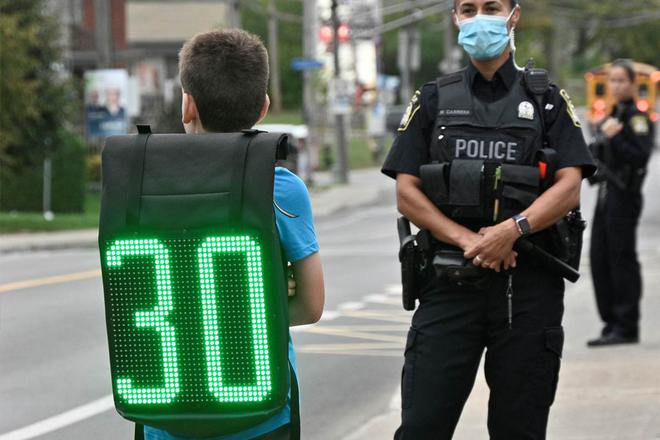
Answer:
(300, 64)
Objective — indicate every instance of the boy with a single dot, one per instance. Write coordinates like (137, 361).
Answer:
(224, 77)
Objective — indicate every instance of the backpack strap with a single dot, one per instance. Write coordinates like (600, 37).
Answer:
(295, 406)
(134, 190)
(238, 177)
(139, 432)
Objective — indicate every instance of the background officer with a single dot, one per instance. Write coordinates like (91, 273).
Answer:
(622, 145)
(453, 325)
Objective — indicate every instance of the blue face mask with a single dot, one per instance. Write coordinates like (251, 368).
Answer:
(484, 37)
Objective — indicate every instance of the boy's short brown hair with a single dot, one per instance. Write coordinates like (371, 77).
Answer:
(226, 72)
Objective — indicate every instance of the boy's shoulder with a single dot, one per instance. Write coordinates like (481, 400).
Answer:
(285, 175)
(290, 194)
(288, 184)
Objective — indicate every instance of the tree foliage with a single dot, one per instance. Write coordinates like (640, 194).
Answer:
(34, 100)
(255, 19)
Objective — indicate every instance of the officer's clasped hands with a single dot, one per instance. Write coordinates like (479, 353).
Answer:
(494, 249)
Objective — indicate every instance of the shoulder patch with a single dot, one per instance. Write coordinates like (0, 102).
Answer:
(570, 108)
(412, 108)
(639, 124)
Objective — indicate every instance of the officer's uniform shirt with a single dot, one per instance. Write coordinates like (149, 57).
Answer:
(563, 130)
(295, 226)
(634, 143)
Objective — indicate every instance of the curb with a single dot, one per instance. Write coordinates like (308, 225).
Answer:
(47, 241)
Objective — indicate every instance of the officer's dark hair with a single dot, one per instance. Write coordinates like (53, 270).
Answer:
(226, 72)
(514, 3)
(628, 66)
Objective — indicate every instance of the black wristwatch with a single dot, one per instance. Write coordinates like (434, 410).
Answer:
(523, 225)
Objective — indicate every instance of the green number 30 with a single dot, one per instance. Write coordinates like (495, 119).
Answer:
(156, 318)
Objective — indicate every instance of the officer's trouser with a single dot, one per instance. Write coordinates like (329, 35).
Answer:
(449, 333)
(614, 266)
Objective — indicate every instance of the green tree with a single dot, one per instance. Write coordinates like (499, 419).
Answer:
(34, 101)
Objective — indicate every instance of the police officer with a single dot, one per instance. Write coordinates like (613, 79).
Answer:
(622, 145)
(485, 113)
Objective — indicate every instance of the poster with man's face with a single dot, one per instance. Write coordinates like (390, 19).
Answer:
(106, 98)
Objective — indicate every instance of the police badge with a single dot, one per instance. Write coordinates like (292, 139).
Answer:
(526, 110)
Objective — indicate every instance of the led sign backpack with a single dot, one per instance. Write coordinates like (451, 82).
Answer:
(194, 281)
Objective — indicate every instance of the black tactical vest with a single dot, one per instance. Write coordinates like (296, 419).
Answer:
(506, 131)
(484, 155)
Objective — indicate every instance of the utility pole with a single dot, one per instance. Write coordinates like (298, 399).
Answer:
(340, 128)
(234, 13)
(406, 37)
(273, 56)
(450, 63)
(310, 33)
(103, 33)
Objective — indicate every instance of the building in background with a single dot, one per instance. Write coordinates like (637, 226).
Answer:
(142, 37)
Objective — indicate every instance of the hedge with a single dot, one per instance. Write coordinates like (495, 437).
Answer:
(22, 190)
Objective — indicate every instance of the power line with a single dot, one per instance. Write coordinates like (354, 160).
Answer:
(401, 7)
(633, 20)
(417, 15)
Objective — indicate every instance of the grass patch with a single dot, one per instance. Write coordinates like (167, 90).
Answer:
(359, 153)
(284, 117)
(11, 222)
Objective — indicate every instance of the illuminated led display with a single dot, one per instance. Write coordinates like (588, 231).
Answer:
(155, 318)
(188, 321)
(210, 284)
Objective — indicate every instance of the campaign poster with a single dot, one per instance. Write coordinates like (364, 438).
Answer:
(106, 102)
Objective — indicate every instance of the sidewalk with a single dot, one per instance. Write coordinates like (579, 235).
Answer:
(606, 393)
(365, 188)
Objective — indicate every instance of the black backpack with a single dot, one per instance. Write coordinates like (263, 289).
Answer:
(195, 281)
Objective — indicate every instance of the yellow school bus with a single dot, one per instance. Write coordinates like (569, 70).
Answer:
(599, 103)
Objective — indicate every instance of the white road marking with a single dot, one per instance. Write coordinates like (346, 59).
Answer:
(376, 297)
(357, 252)
(301, 328)
(358, 216)
(351, 305)
(329, 315)
(61, 420)
(376, 425)
(393, 289)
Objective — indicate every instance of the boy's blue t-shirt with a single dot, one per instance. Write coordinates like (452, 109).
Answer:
(295, 224)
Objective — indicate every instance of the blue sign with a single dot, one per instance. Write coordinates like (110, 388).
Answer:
(306, 64)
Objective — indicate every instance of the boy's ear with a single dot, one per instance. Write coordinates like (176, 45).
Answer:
(264, 109)
(188, 109)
